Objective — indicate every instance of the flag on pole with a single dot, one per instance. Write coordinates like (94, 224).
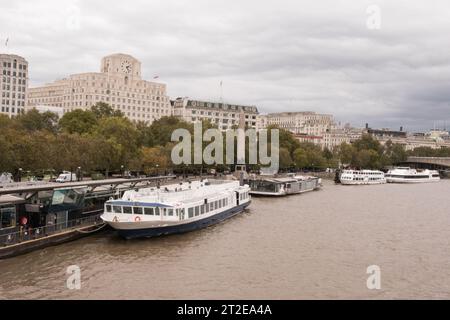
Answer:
(6, 42)
(156, 77)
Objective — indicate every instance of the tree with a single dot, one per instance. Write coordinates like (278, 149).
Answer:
(154, 159)
(122, 138)
(102, 109)
(33, 120)
(367, 142)
(346, 153)
(309, 155)
(160, 131)
(367, 159)
(78, 121)
(285, 158)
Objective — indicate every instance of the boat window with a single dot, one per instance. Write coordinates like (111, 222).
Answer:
(117, 209)
(127, 210)
(207, 207)
(170, 212)
(223, 202)
(226, 201)
(202, 209)
(177, 212)
(108, 208)
(7, 217)
(157, 211)
(190, 212)
(164, 210)
(137, 210)
(148, 211)
(211, 206)
(197, 211)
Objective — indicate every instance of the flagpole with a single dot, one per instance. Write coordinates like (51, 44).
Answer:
(221, 91)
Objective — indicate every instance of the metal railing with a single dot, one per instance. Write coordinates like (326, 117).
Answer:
(27, 234)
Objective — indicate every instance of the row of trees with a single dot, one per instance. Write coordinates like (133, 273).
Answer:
(103, 140)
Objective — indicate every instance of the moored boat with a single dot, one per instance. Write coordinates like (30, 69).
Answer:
(282, 186)
(362, 177)
(177, 208)
(409, 175)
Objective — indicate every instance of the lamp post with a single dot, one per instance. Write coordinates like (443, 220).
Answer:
(121, 170)
(79, 174)
(20, 174)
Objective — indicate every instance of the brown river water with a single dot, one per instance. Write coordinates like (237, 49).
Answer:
(316, 245)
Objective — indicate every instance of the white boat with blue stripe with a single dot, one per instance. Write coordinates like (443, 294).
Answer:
(176, 208)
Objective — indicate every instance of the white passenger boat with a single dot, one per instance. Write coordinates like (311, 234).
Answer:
(408, 175)
(360, 177)
(282, 186)
(175, 208)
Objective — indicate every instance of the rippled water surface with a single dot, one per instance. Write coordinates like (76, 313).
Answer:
(315, 245)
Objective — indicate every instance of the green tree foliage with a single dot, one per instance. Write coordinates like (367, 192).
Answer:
(368, 153)
(104, 110)
(33, 120)
(102, 139)
(160, 132)
(78, 121)
(310, 156)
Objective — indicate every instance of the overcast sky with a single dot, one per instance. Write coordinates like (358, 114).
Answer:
(278, 55)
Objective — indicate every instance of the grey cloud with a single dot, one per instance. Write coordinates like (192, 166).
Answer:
(279, 55)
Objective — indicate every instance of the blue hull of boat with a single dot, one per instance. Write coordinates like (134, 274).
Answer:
(160, 231)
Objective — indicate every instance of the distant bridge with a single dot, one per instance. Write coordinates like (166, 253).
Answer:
(436, 163)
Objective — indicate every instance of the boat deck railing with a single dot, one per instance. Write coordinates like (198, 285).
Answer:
(30, 234)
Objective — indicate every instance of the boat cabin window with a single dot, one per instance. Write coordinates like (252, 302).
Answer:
(7, 217)
(149, 211)
(202, 209)
(127, 210)
(197, 211)
(157, 211)
(164, 211)
(108, 208)
(137, 210)
(207, 207)
(117, 209)
(190, 212)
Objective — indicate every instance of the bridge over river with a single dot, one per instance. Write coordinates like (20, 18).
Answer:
(435, 163)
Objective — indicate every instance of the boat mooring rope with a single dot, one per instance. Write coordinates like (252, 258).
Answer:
(92, 231)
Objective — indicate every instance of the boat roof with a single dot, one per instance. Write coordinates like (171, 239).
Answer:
(176, 194)
(278, 180)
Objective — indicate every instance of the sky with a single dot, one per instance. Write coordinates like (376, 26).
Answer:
(386, 63)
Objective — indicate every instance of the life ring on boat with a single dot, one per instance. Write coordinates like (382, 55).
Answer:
(137, 219)
(115, 219)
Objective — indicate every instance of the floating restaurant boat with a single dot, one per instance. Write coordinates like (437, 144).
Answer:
(282, 186)
(361, 177)
(408, 175)
(176, 208)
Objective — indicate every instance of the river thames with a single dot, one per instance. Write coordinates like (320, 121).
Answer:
(316, 245)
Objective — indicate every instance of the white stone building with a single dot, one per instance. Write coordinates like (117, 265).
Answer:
(119, 84)
(224, 115)
(14, 84)
(307, 123)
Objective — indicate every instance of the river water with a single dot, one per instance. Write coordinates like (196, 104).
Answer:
(311, 246)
